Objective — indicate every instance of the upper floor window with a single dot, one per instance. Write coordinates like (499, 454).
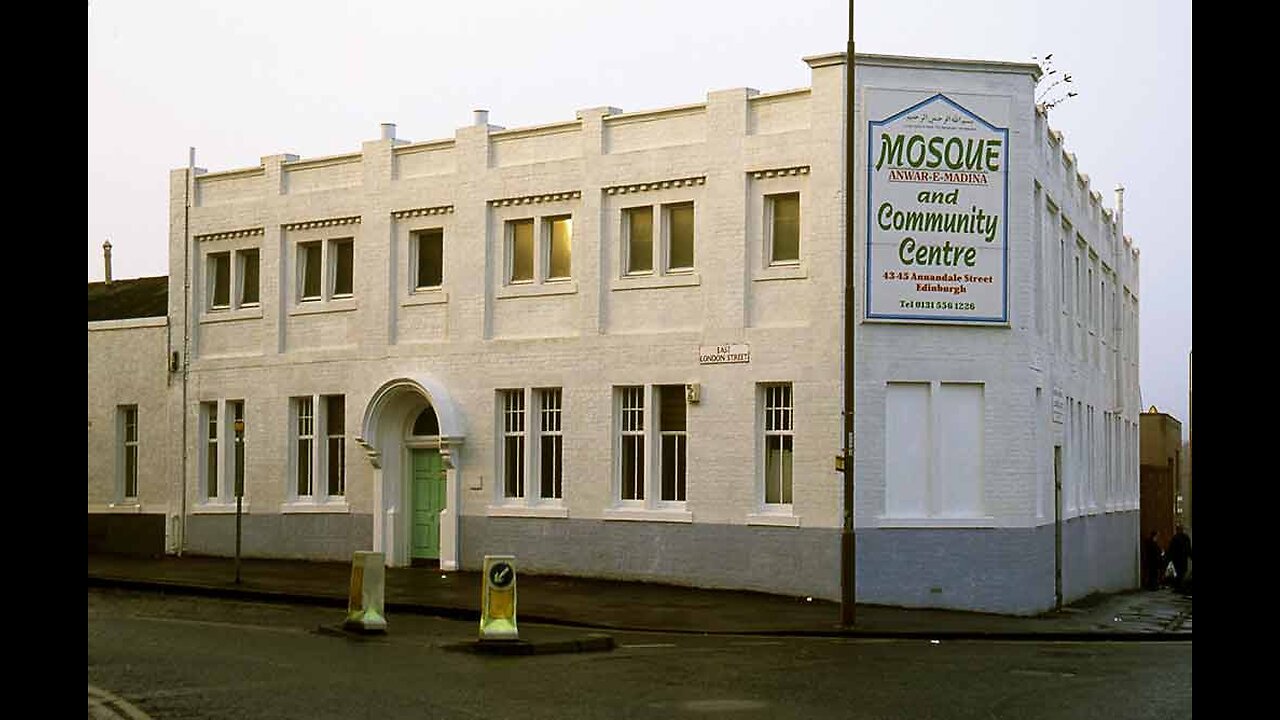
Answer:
(219, 280)
(669, 246)
(783, 227)
(326, 269)
(539, 249)
(232, 279)
(428, 248)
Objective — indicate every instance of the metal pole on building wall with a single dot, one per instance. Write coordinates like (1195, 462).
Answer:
(239, 482)
(848, 546)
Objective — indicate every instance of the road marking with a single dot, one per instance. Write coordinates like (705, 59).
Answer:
(213, 623)
(649, 645)
(100, 699)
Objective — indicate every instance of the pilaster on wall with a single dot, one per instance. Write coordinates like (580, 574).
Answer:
(273, 263)
(588, 230)
(375, 270)
(722, 236)
(473, 316)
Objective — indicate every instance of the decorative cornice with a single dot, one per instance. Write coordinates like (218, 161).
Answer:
(659, 185)
(229, 234)
(780, 172)
(309, 224)
(418, 212)
(533, 199)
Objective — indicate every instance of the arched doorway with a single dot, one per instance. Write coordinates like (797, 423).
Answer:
(411, 432)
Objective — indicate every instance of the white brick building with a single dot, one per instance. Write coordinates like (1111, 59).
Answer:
(612, 346)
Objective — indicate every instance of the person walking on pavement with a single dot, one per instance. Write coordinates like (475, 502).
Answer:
(1179, 553)
(1152, 561)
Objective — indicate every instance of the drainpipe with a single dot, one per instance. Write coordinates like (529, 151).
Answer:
(186, 334)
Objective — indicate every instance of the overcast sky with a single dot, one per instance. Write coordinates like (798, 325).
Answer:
(240, 79)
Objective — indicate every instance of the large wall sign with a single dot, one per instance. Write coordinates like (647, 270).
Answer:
(937, 212)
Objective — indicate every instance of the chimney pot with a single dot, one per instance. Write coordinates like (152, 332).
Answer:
(106, 256)
(388, 131)
(482, 118)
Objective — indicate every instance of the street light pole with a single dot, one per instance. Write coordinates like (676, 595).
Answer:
(848, 545)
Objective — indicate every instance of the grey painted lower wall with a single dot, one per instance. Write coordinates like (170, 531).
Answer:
(786, 561)
(1005, 570)
(1100, 554)
(310, 536)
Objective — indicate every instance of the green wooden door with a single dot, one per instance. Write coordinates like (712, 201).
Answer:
(428, 501)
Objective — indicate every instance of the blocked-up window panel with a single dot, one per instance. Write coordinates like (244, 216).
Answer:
(907, 449)
(960, 432)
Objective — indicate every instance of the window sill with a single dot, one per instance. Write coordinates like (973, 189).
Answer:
(340, 506)
(218, 508)
(777, 519)
(985, 521)
(530, 289)
(648, 515)
(253, 312)
(317, 307)
(639, 282)
(789, 271)
(528, 511)
(125, 506)
(426, 296)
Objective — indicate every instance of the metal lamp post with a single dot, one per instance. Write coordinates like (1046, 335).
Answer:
(847, 538)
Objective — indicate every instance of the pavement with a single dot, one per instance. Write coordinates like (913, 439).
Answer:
(604, 605)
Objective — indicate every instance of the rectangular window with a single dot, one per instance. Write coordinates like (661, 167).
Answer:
(309, 265)
(632, 442)
(1091, 312)
(551, 443)
(1062, 267)
(209, 411)
(220, 280)
(336, 450)
(237, 426)
(638, 232)
(559, 232)
(520, 254)
(679, 236)
(778, 444)
(673, 432)
(1076, 307)
(430, 268)
(304, 434)
(247, 267)
(343, 261)
(513, 443)
(128, 419)
(784, 228)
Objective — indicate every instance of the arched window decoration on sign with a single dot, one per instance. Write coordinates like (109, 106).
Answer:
(427, 424)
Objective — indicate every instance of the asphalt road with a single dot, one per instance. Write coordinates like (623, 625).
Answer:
(181, 657)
